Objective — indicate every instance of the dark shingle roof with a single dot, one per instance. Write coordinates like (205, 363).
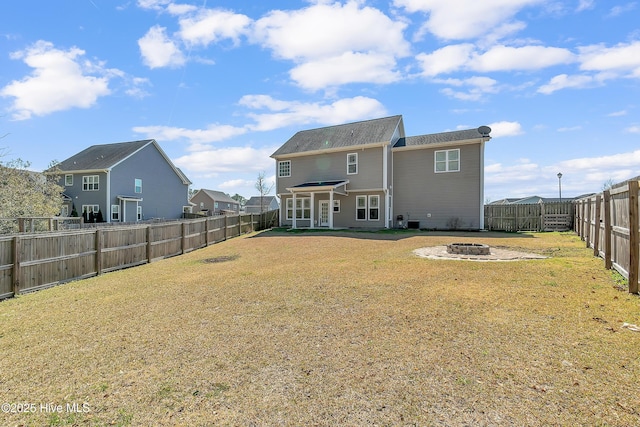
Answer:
(439, 138)
(347, 135)
(218, 196)
(255, 200)
(98, 157)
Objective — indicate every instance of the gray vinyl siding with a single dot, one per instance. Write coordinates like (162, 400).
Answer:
(419, 191)
(346, 218)
(163, 191)
(333, 166)
(80, 197)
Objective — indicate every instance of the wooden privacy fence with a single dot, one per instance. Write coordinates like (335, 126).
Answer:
(608, 222)
(553, 216)
(29, 262)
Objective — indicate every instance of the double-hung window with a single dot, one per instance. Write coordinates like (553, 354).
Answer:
(284, 168)
(90, 183)
(352, 163)
(302, 208)
(115, 212)
(137, 184)
(368, 208)
(447, 161)
(68, 180)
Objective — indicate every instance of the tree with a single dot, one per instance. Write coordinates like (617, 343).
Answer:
(263, 188)
(27, 193)
(608, 184)
(240, 199)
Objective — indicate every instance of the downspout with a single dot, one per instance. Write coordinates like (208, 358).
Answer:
(385, 186)
(108, 206)
(482, 184)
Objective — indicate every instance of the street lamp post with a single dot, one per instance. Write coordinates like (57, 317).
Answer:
(560, 185)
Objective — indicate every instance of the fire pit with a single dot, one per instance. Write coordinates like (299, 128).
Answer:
(468, 249)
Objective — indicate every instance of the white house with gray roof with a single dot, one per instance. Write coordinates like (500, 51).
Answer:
(368, 174)
(125, 182)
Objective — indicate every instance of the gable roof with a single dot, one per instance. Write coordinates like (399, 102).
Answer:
(440, 138)
(101, 157)
(255, 200)
(376, 131)
(106, 156)
(217, 196)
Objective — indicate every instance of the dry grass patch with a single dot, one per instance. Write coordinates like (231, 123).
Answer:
(331, 329)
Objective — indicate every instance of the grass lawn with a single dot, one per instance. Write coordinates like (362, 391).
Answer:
(344, 328)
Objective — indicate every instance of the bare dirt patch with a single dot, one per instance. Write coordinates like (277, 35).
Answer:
(222, 258)
(496, 254)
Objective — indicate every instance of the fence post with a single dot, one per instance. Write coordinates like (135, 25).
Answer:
(98, 243)
(634, 237)
(607, 229)
(206, 231)
(16, 265)
(184, 238)
(587, 237)
(224, 227)
(149, 253)
(596, 238)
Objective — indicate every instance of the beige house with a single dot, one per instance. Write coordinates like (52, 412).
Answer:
(212, 202)
(368, 174)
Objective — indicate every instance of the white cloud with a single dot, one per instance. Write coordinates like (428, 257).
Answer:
(564, 81)
(617, 113)
(158, 50)
(334, 44)
(284, 113)
(216, 161)
(477, 87)
(497, 58)
(465, 19)
(633, 129)
(213, 133)
(585, 5)
(60, 80)
(211, 25)
(504, 128)
(349, 67)
(625, 57)
(445, 60)
(505, 58)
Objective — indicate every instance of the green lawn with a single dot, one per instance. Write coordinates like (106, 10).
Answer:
(343, 328)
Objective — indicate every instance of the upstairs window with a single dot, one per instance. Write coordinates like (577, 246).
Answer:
(137, 184)
(284, 169)
(447, 161)
(91, 183)
(352, 163)
(68, 180)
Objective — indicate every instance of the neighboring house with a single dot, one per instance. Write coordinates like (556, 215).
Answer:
(257, 204)
(534, 200)
(368, 174)
(211, 202)
(124, 182)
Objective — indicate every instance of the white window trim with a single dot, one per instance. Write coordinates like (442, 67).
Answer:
(91, 183)
(115, 213)
(289, 209)
(446, 161)
(305, 205)
(370, 207)
(139, 213)
(280, 164)
(68, 180)
(352, 163)
(336, 206)
(135, 185)
(366, 211)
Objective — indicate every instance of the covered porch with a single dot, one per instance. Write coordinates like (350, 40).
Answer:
(312, 192)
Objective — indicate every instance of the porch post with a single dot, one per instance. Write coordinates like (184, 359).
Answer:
(293, 223)
(331, 208)
(312, 209)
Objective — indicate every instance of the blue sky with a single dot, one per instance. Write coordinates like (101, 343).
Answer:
(222, 84)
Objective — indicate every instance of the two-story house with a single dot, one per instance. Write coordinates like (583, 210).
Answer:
(368, 174)
(125, 182)
(259, 204)
(212, 202)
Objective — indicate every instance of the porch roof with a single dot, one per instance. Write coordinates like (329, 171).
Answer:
(129, 198)
(318, 186)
